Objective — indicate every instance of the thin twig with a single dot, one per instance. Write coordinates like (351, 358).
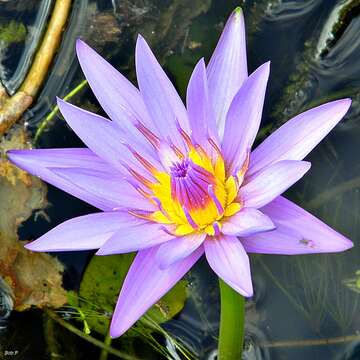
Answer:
(297, 305)
(313, 342)
(104, 352)
(12, 108)
(48, 48)
(327, 195)
(89, 338)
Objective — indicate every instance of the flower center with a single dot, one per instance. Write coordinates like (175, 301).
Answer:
(190, 184)
(195, 194)
(180, 169)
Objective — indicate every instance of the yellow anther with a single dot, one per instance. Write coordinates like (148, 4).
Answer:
(232, 209)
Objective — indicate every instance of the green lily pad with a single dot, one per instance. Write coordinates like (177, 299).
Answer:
(100, 288)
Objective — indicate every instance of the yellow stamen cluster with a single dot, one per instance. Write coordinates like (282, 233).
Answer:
(206, 218)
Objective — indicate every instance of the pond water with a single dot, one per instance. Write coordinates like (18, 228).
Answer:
(304, 307)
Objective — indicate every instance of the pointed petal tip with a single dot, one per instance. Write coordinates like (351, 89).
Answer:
(62, 104)
(307, 165)
(17, 156)
(59, 101)
(15, 152)
(348, 244)
(238, 10)
(264, 68)
(105, 251)
(116, 330)
(12, 154)
(200, 65)
(119, 328)
(246, 292)
(140, 41)
(202, 61)
(28, 246)
(342, 105)
(79, 43)
(303, 165)
(140, 37)
(237, 14)
(101, 252)
(81, 46)
(41, 246)
(263, 71)
(33, 246)
(141, 48)
(347, 103)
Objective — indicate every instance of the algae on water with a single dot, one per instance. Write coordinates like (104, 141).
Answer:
(13, 32)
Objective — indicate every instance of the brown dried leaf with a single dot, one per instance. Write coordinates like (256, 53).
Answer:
(35, 278)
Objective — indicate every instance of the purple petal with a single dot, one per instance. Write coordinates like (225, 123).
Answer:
(297, 137)
(227, 69)
(36, 159)
(118, 97)
(167, 156)
(243, 118)
(81, 233)
(178, 248)
(113, 190)
(135, 237)
(297, 232)
(201, 116)
(272, 181)
(144, 285)
(247, 222)
(228, 259)
(160, 97)
(37, 162)
(101, 136)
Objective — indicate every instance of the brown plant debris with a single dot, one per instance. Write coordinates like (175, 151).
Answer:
(34, 278)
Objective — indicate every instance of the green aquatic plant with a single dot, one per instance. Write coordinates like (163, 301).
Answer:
(93, 305)
(13, 32)
(353, 283)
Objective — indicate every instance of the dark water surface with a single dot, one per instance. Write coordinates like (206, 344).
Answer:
(304, 306)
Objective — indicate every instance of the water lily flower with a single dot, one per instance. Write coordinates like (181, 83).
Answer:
(176, 182)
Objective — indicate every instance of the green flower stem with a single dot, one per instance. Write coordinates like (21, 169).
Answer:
(104, 352)
(44, 123)
(232, 321)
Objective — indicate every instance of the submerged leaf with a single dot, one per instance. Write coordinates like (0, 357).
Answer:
(99, 290)
(13, 32)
